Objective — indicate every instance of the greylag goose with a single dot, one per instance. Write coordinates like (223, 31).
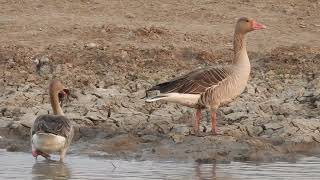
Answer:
(52, 133)
(213, 86)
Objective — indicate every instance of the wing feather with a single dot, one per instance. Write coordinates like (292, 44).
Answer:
(54, 124)
(195, 82)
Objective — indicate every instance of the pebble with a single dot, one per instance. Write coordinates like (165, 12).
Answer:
(91, 45)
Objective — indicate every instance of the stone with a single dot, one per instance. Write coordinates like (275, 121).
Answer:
(285, 109)
(91, 45)
(250, 89)
(27, 119)
(4, 123)
(236, 116)
(11, 63)
(180, 129)
(226, 110)
(94, 116)
(266, 108)
(254, 130)
(273, 126)
(177, 138)
(12, 148)
(306, 124)
(149, 138)
(267, 133)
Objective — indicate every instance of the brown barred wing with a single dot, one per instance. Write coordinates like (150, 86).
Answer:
(54, 124)
(195, 82)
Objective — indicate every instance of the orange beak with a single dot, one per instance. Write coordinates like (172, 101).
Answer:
(257, 26)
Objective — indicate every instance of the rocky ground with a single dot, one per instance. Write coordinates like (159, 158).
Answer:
(109, 53)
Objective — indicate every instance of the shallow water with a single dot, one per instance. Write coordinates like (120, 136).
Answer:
(15, 165)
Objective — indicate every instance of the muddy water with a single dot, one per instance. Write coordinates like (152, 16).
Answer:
(23, 166)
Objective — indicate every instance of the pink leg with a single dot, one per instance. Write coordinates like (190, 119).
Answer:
(36, 153)
(214, 123)
(197, 122)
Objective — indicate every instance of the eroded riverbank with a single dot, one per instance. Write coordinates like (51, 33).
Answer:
(275, 118)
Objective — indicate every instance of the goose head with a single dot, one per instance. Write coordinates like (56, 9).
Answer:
(245, 25)
(57, 88)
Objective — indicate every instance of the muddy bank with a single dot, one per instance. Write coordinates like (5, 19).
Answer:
(275, 118)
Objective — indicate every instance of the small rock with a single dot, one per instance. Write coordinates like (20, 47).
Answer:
(27, 119)
(301, 25)
(91, 45)
(11, 63)
(236, 116)
(129, 15)
(254, 130)
(16, 112)
(43, 66)
(273, 126)
(2, 111)
(226, 110)
(124, 55)
(14, 125)
(306, 125)
(177, 138)
(316, 136)
(44, 59)
(271, 73)
(285, 109)
(94, 116)
(181, 129)
(250, 89)
(317, 103)
(266, 108)
(268, 133)
(4, 124)
(149, 138)
(260, 89)
(12, 148)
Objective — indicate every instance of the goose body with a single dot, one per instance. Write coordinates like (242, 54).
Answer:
(213, 86)
(52, 133)
(48, 143)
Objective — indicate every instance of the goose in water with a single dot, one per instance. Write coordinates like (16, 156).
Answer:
(52, 133)
(213, 86)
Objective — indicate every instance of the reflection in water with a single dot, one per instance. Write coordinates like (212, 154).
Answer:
(209, 172)
(201, 176)
(50, 170)
(15, 165)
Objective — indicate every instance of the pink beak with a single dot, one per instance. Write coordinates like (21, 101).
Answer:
(257, 26)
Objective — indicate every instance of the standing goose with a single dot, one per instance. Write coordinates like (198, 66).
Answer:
(52, 133)
(213, 86)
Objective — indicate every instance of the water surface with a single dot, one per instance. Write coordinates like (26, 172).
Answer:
(15, 165)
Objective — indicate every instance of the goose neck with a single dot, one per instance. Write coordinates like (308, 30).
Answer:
(54, 99)
(240, 50)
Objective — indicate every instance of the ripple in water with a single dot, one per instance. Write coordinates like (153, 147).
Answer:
(23, 166)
